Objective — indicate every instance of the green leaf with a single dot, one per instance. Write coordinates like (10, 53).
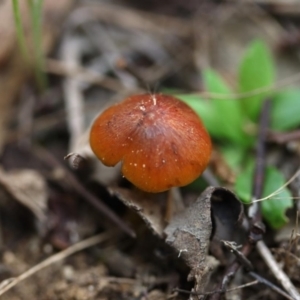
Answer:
(243, 184)
(215, 84)
(273, 209)
(285, 112)
(234, 156)
(204, 109)
(256, 70)
(229, 117)
(198, 185)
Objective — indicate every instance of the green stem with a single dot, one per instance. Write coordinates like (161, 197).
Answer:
(19, 30)
(36, 16)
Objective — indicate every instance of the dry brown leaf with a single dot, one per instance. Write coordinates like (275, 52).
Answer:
(228, 213)
(150, 207)
(189, 232)
(29, 188)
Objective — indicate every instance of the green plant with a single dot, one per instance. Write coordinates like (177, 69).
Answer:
(36, 20)
(19, 30)
(231, 119)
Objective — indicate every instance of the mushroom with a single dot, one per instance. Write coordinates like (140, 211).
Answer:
(160, 141)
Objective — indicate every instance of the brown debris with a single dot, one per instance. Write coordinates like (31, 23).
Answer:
(27, 187)
(150, 207)
(189, 233)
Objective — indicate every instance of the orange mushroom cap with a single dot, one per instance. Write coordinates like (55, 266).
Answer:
(160, 141)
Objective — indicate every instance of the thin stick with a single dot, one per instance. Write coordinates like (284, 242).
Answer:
(48, 158)
(74, 102)
(276, 270)
(58, 67)
(53, 259)
(270, 285)
(280, 250)
(280, 189)
(220, 291)
(272, 88)
(284, 137)
(257, 228)
(62, 68)
(260, 163)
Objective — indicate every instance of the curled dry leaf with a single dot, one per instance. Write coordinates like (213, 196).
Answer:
(227, 211)
(228, 215)
(150, 207)
(189, 232)
(29, 188)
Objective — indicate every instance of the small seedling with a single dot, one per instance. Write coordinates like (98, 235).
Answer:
(231, 118)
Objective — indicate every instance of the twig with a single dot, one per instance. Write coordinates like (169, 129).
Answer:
(256, 226)
(296, 174)
(83, 74)
(243, 260)
(90, 76)
(287, 253)
(261, 151)
(276, 270)
(219, 291)
(131, 19)
(11, 282)
(259, 280)
(284, 137)
(276, 87)
(210, 178)
(70, 51)
(260, 164)
(110, 51)
(269, 284)
(75, 159)
(286, 7)
(77, 186)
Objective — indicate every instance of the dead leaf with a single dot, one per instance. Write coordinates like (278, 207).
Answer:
(27, 187)
(227, 211)
(150, 207)
(189, 232)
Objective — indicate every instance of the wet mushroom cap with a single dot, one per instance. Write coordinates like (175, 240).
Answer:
(160, 141)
